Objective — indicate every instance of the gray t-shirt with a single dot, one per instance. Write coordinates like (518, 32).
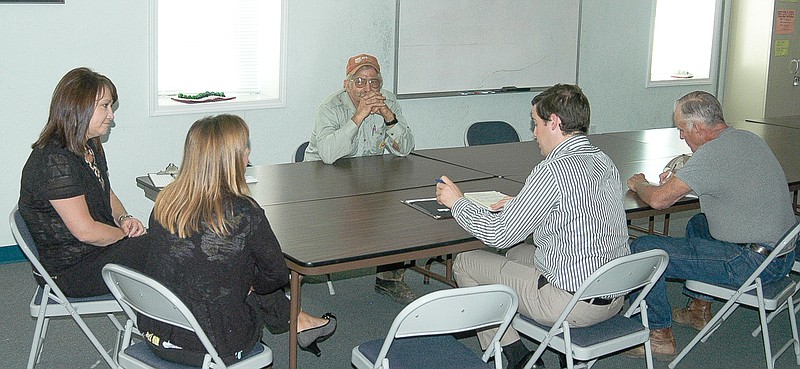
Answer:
(742, 188)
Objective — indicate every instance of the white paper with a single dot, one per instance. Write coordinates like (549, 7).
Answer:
(485, 198)
(160, 180)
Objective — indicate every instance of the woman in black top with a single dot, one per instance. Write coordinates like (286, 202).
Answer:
(213, 246)
(66, 200)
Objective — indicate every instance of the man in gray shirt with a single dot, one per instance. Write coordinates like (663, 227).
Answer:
(362, 119)
(745, 208)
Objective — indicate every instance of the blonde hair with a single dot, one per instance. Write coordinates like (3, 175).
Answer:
(214, 162)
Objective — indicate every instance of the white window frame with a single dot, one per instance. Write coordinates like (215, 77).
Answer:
(714, 62)
(165, 106)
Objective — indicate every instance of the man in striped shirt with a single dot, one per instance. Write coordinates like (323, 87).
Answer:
(572, 207)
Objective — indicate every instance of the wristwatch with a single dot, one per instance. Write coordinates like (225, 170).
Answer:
(392, 122)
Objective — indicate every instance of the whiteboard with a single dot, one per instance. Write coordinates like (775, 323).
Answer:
(463, 46)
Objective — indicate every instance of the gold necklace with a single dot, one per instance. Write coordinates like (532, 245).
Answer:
(88, 156)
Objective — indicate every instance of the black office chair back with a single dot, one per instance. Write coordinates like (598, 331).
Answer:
(490, 132)
(300, 154)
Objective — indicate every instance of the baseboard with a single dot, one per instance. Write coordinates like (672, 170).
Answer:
(11, 254)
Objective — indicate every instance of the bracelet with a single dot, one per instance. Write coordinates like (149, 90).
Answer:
(123, 217)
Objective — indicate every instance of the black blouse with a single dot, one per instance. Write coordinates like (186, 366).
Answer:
(212, 275)
(54, 173)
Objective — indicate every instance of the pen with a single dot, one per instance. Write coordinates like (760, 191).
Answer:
(443, 210)
(439, 180)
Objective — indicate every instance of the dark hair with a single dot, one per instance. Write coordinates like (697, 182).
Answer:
(700, 107)
(568, 103)
(71, 109)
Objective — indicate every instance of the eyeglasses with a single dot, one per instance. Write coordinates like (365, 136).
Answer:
(373, 82)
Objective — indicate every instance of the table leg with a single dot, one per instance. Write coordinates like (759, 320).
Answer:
(650, 227)
(446, 280)
(294, 307)
(448, 271)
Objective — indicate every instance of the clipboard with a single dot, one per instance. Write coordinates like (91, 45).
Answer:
(160, 180)
(430, 207)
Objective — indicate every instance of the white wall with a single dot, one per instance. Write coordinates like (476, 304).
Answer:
(39, 43)
(749, 51)
(614, 57)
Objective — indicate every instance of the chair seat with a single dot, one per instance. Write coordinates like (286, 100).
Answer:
(138, 353)
(441, 352)
(774, 293)
(590, 342)
(103, 304)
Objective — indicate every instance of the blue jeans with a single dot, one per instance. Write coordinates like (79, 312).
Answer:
(700, 257)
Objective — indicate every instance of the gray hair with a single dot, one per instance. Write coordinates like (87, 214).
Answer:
(699, 107)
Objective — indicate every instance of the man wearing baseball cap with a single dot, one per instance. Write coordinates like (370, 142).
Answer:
(363, 119)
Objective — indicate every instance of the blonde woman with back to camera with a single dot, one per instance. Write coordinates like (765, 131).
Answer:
(213, 246)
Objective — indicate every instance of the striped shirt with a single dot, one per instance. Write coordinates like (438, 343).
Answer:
(572, 206)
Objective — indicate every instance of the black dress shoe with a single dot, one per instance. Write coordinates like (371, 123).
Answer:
(307, 339)
(521, 364)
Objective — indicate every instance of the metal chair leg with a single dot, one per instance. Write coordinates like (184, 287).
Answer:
(331, 291)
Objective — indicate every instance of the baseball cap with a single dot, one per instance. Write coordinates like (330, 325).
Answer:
(361, 60)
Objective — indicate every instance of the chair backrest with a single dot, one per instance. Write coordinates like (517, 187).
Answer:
(788, 242)
(25, 241)
(300, 153)
(620, 276)
(138, 293)
(490, 132)
(455, 310)
(785, 245)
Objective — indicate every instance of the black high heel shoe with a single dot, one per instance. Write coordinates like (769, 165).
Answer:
(307, 339)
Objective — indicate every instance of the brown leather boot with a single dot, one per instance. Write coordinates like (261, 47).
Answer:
(662, 342)
(696, 314)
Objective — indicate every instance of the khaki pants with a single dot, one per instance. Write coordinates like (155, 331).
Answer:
(517, 271)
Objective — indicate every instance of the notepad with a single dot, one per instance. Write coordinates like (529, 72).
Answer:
(430, 207)
(485, 198)
(160, 180)
(250, 179)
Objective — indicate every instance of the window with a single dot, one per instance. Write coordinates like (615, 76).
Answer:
(684, 41)
(235, 46)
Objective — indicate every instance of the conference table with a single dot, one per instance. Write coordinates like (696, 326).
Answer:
(632, 152)
(349, 215)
